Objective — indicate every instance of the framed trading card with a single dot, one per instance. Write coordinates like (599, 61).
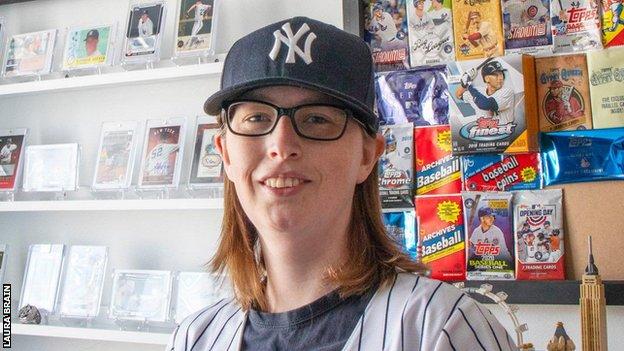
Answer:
(51, 167)
(196, 290)
(3, 261)
(116, 154)
(29, 54)
(207, 166)
(12, 143)
(162, 153)
(143, 31)
(195, 24)
(87, 47)
(41, 278)
(142, 295)
(83, 281)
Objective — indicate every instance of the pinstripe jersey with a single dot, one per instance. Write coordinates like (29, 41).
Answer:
(412, 313)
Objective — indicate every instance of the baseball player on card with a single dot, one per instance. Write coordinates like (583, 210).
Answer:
(480, 33)
(201, 12)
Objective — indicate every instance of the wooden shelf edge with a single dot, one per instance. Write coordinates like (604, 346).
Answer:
(91, 334)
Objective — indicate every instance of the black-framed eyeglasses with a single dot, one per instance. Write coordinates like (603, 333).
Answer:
(312, 121)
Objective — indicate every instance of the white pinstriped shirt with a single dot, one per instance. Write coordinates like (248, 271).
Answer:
(413, 313)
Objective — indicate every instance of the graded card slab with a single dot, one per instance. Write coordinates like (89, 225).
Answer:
(575, 25)
(142, 295)
(207, 166)
(563, 93)
(606, 78)
(29, 54)
(437, 170)
(478, 29)
(527, 26)
(492, 105)
(501, 172)
(490, 239)
(386, 32)
(142, 38)
(196, 290)
(417, 96)
(396, 166)
(162, 154)
(430, 24)
(441, 237)
(194, 27)
(88, 47)
(51, 167)
(116, 155)
(612, 22)
(539, 235)
(11, 149)
(42, 275)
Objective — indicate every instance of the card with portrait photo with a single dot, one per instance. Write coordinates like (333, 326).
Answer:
(162, 153)
(207, 166)
(88, 47)
(196, 24)
(12, 142)
(143, 34)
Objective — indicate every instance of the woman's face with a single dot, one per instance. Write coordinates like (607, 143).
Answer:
(291, 184)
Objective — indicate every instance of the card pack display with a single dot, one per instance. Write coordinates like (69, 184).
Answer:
(51, 167)
(396, 166)
(441, 239)
(575, 25)
(437, 170)
(527, 26)
(492, 106)
(162, 154)
(606, 78)
(143, 31)
(612, 22)
(11, 149)
(88, 47)
(401, 227)
(29, 54)
(563, 93)
(582, 155)
(417, 96)
(430, 26)
(386, 32)
(116, 153)
(41, 278)
(539, 235)
(207, 166)
(489, 235)
(141, 295)
(196, 290)
(478, 29)
(501, 172)
(195, 27)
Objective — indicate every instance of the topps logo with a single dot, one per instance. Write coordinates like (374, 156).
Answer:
(483, 249)
(486, 129)
(580, 142)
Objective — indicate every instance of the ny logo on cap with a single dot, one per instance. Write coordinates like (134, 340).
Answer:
(291, 40)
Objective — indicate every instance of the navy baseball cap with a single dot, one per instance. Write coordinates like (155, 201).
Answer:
(93, 33)
(492, 67)
(486, 211)
(305, 53)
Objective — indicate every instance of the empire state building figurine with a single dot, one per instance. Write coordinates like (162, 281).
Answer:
(593, 308)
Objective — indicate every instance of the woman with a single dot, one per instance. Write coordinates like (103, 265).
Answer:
(302, 238)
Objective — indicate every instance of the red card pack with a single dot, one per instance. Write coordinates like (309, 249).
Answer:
(501, 172)
(437, 170)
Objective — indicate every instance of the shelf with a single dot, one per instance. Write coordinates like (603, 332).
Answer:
(111, 79)
(111, 205)
(91, 334)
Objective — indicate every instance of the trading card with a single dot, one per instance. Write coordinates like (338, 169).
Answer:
(386, 32)
(563, 93)
(575, 25)
(195, 26)
(612, 22)
(83, 281)
(497, 172)
(3, 261)
(527, 26)
(196, 290)
(441, 239)
(437, 170)
(142, 36)
(116, 155)
(142, 295)
(51, 167)
(539, 235)
(162, 153)
(582, 155)
(11, 149)
(606, 78)
(396, 166)
(207, 166)
(29, 54)
(401, 227)
(430, 24)
(490, 239)
(417, 96)
(41, 278)
(88, 47)
(492, 107)
(478, 29)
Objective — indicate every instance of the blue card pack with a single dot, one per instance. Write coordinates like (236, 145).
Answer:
(401, 227)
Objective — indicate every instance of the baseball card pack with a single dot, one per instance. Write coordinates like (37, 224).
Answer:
(612, 22)
(11, 149)
(492, 106)
(441, 240)
(478, 29)
(497, 172)
(437, 170)
(430, 24)
(396, 166)
(575, 25)
(417, 96)
(386, 32)
(527, 26)
(563, 93)
(539, 235)
(582, 155)
(401, 227)
(489, 235)
(606, 79)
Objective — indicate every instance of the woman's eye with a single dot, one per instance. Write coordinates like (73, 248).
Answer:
(256, 118)
(316, 119)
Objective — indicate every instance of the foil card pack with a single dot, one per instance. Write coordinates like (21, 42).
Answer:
(612, 22)
(489, 235)
(478, 29)
(492, 107)
(385, 25)
(606, 79)
(575, 25)
(430, 24)
(396, 166)
(583, 155)
(401, 227)
(538, 217)
(437, 170)
(417, 96)
(526, 24)
(441, 239)
(501, 172)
